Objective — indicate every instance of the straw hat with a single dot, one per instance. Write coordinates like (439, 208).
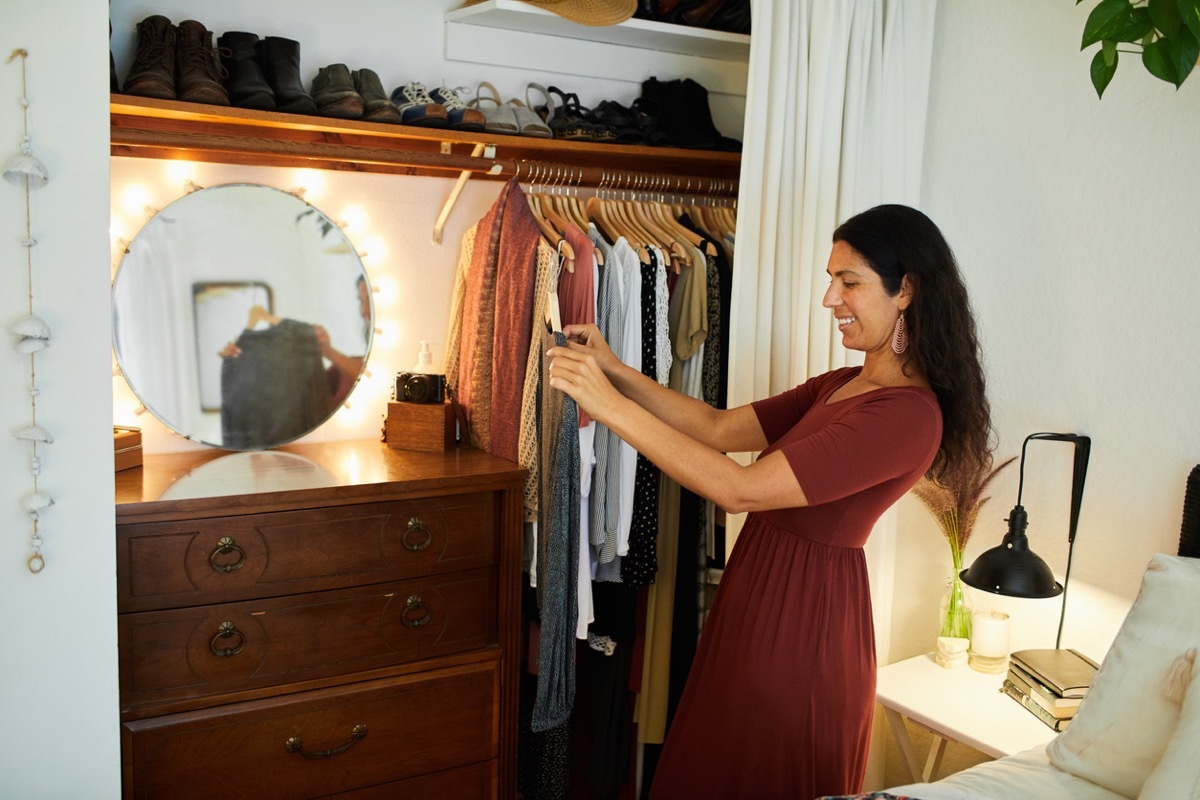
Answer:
(589, 12)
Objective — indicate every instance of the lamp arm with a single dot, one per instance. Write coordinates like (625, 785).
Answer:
(1083, 449)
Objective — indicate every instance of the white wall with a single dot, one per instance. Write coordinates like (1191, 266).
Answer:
(1075, 222)
(58, 682)
(58, 674)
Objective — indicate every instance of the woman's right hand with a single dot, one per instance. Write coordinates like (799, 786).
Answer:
(589, 339)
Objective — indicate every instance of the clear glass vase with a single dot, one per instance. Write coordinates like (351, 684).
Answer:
(955, 607)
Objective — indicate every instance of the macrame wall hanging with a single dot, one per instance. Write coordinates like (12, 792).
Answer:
(32, 334)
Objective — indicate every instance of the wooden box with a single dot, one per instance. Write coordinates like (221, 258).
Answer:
(127, 447)
(420, 426)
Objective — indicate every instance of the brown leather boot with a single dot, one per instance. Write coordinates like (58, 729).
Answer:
(153, 71)
(199, 66)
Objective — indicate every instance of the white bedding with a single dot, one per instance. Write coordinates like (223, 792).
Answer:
(1027, 774)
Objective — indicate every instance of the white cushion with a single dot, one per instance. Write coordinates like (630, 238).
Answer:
(1178, 774)
(1126, 720)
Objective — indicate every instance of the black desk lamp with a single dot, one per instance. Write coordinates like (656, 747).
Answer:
(1012, 569)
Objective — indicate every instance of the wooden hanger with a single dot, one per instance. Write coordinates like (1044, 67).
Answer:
(259, 314)
(552, 236)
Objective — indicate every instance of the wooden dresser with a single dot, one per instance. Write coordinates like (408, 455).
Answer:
(331, 620)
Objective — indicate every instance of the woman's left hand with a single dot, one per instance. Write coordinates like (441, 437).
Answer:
(575, 371)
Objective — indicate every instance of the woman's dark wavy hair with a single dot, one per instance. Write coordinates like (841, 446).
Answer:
(942, 341)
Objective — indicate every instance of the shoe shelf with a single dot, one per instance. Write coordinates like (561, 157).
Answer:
(149, 128)
(644, 34)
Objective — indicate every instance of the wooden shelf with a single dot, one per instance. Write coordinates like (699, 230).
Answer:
(645, 34)
(148, 128)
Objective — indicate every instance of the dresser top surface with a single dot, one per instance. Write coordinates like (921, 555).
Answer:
(300, 475)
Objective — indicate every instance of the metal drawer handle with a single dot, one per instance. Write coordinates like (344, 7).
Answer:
(227, 630)
(295, 745)
(409, 618)
(415, 525)
(225, 546)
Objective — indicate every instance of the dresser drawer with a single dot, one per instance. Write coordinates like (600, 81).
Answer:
(218, 559)
(182, 654)
(327, 742)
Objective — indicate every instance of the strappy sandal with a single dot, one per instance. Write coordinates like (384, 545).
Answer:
(573, 122)
(498, 117)
(621, 121)
(529, 122)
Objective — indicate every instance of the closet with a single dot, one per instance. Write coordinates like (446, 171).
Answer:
(240, 579)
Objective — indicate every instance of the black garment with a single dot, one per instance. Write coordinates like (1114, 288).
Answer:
(641, 564)
(276, 390)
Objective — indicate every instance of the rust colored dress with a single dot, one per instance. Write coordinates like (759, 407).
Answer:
(779, 700)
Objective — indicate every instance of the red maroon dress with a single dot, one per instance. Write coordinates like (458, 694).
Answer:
(780, 697)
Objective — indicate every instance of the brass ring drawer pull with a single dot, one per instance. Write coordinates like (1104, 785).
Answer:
(409, 616)
(225, 546)
(227, 630)
(295, 745)
(415, 525)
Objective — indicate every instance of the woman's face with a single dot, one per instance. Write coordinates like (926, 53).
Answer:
(865, 313)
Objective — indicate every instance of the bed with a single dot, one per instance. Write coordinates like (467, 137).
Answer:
(1137, 734)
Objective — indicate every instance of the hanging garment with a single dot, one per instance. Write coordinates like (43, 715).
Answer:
(528, 444)
(474, 387)
(625, 260)
(606, 488)
(785, 669)
(640, 565)
(558, 545)
(577, 306)
(689, 320)
(276, 390)
(516, 273)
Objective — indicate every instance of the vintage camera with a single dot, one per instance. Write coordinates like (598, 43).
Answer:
(416, 387)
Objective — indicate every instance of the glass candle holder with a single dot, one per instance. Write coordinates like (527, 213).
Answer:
(989, 641)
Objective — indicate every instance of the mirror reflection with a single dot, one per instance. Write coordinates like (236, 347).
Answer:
(242, 316)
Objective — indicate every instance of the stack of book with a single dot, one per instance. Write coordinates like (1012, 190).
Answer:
(1050, 683)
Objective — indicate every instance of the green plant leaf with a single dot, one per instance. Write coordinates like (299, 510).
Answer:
(1157, 60)
(1106, 20)
(1166, 16)
(1138, 27)
(1183, 49)
(1102, 72)
(1189, 10)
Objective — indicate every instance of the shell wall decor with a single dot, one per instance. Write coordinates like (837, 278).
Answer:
(31, 334)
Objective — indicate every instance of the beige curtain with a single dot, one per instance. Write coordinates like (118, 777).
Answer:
(835, 124)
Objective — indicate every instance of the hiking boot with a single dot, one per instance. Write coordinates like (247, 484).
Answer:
(376, 105)
(458, 116)
(334, 93)
(416, 107)
(280, 62)
(244, 80)
(153, 71)
(199, 66)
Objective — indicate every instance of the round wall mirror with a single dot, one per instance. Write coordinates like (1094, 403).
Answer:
(242, 316)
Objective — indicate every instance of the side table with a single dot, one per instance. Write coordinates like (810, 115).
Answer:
(960, 704)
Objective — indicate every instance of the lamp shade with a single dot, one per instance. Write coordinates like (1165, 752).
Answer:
(1013, 569)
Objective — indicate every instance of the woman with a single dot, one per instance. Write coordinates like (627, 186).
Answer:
(781, 694)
